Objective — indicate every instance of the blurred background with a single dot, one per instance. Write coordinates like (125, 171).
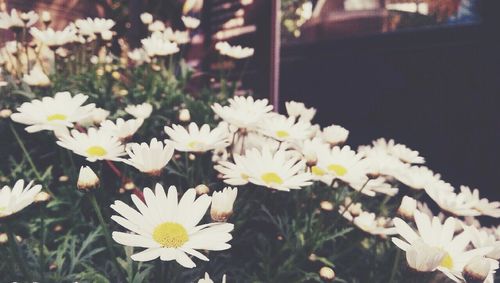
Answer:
(424, 72)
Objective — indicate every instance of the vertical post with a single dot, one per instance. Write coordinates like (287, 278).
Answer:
(274, 80)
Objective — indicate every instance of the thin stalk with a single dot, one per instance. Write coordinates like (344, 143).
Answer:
(395, 266)
(16, 252)
(28, 157)
(42, 244)
(107, 235)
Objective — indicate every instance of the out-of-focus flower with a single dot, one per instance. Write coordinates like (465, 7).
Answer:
(483, 205)
(156, 26)
(479, 269)
(146, 18)
(222, 204)
(52, 38)
(327, 273)
(140, 111)
(149, 159)
(179, 37)
(243, 112)
(157, 45)
(122, 129)
(16, 199)
(455, 204)
(89, 26)
(282, 128)
(5, 113)
(407, 207)
(168, 229)
(46, 17)
(481, 239)
(236, 52)
(36, 77)
(300, 111)
(184, 115)
(15, 20)
(87, 179)
(369, 223)
(190, 22)
(94, 145)
(139, 56)
(52, 113)
(207, 279)
(334, 135)
(390, 147)
(196, 139)
(96, 117)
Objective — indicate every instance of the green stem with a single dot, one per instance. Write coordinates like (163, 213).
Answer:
(395, 266)
(107, 235)
(42, 244)
(28, 157)
(16, 252)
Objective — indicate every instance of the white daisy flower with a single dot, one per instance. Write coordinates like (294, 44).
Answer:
(190, 22)
(15, 199)
(149, 159)
(334, 135)
(311, 149)
(52, 38)
(399, 151)
(441, 236)
(91, 26)
(222, 204)
(16, 20)
(196, 139)
(482, 239)
(157, 45)
(52, 113)
(415, 177)
(122, 129)
(243, 112)
(424, 258)
(282, 128)
(482, 205)
(179, 37)
(371, 187)
(379, 163)
(96, 117)
(234, 174)
(299, 110)
(139, 56)
(168, 229)
(36, 77)
(369, 223)
(275, 170)
(236, 52)
(140, 111)
(340, 163)
(207, 279)
(455, 204)
(94, 145)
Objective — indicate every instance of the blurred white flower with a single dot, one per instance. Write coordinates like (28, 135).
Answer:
(447, 200)
(122, 129)
(89, 26)
(334, 135)
(168, 228)
(52, 113)
(146, 18)
(52, 38)
(243, 112)
(480, 269)
(16, 20)
(179, 37)
(140, 111)
(190, 22)
(300, 111)
(369, 223)
(94, 145)
(157, 45)
(36, 77)
(483, 205)
(194, 139)
(236, 52)
(207, 279)
(139, 56)
(481, 239)
(222, 204)
(399, 151)
(407, 207)
(96, 117)
(149, 159)
(156, 26)
(16, 199)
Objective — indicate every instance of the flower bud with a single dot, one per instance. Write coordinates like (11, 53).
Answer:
(477, 270)
(327, 273)
(202, 189)
(5, 113)
(326, 205)
(222, 204)
(107, 35)
(184, 115)
(146, 18)
(46, 17)
(407, 207)
(87, 180)
(42, 197)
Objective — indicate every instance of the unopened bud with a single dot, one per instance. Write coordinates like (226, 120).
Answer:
(46, 17)
(184, 115)
(87, 180)
(327, 273)
(477, 270)
(42, 197)
(202, 189)
(222, 204)
(326, 205)
(5, 113)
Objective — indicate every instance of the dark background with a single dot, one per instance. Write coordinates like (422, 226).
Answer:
(436, 90)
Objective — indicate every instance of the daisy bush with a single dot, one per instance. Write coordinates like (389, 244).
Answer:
(115, 168)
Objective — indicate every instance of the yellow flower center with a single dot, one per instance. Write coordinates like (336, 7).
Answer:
(170, 235)
(447, 261)
(338, 169)
(271, 178)
(56, 117)
(282, 134)
(317, 171)
(96, 151)
(193, 144)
